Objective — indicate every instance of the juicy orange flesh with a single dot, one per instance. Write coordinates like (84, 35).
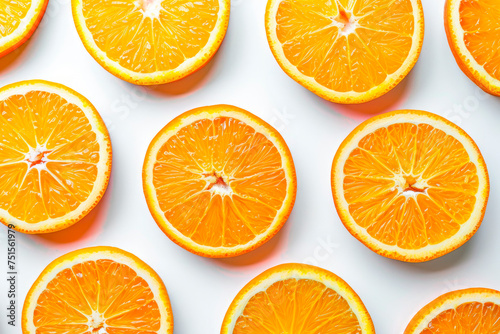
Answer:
(473, 317)
(346, 45)
(97, 294)
(410, 185)
(297, 306)
(219, 182)
(11, 14)
(146, 36)
(480, 20)
(54, 180)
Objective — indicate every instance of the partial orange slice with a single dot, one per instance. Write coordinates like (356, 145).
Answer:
(297, 298)
(346, 51)
(219, 181)
(475, 310)
(410, 185)
(55, 156)
(150, 42)
(473, 27)
(18, 21)
(97, 290)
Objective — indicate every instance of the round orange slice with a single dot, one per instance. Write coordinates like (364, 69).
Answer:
(475, 310)
(97, 290)
(18, 21)
(410, 185)
(55, 156)
(219, 181)
(149, 42)
(472, 27)
(297, 298)
(346, 51)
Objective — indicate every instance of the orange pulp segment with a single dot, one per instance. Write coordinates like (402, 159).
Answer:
(472, 27)
(219, 181)
(295, 298)
(97, 290)
(346, 51)
(474, 310)
(151, 41)
(410, 184)
(18, 21)
(55, 156)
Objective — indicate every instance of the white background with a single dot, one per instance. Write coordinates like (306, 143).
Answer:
(244, 73)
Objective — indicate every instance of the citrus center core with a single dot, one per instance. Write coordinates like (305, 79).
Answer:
(96, 323)
(36, 157)
(149, 8)
(218, 183)
(346, 22)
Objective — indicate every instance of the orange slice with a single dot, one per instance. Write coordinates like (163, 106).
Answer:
(410, 185)
(475, 310)
(297, 298)
(55, 156)
(219, 181)
(150, 42)
(346, 51)
(472, 27)
(18, 21)
(97, 290)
